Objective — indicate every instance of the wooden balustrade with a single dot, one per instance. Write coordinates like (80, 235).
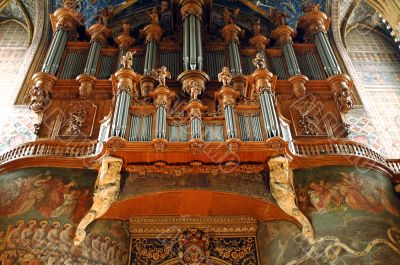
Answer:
(341, 147)
(306, 148)
(50, 148)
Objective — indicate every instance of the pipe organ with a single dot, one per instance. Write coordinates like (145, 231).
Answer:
(250, 107)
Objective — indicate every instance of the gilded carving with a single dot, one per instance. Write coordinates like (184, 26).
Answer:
(127, 59)
(344, 100)
(225, 76)
(278, 17)
(106, 192)
(259, 61)
(161, 74)
(77, 120)
(282, 189)
(259, 41)
(194, 89)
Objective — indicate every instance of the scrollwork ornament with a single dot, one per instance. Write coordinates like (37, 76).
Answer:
(159, 147)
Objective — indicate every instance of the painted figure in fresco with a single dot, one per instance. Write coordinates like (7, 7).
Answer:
(39, 237)
(111, 252)
(69, 204)
(27, 234)
(14, 237)
(56, 197)
(96, 248)
(32, 192)
(320, 196)
(106, 192)
(161, 74)
(53, 237)
(103, 249)
(65, 238)
(225, 76)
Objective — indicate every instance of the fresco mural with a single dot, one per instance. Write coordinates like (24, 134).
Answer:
(39, 209)
(354, 212)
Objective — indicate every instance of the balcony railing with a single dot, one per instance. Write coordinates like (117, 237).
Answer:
(302, 148)
(50, 148)
(338, 147)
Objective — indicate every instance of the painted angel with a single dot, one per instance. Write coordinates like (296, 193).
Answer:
(161, 74)
(225, 76)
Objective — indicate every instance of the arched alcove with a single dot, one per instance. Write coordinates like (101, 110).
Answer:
(377, 62)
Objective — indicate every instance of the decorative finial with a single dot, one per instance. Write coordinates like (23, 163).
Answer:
(225, 76)
(161, 74)
(127, 59)
(259, 61)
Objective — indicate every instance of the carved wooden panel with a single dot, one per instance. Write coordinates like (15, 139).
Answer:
(78, 119)
(309, 120)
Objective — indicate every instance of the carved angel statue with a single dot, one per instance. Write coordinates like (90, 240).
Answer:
(161, 74)
(154, 16)
(194, 89)
(127, 59)
(259, 61)
(105, 193)
(225, 76)
(229, 17)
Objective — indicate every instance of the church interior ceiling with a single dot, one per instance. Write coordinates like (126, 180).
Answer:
(22, 11)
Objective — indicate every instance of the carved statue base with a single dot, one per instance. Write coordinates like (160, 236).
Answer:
(127, 80)
(282, 189)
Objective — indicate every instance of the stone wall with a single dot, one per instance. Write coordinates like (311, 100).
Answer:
(16, 124)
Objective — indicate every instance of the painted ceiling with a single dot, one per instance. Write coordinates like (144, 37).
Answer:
(14, 9)
(89, 8)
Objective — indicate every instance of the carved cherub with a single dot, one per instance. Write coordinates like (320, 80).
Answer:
(164, 6)
(161, 74)
(154, 16)
(195, 89)
(127, 59)
(225, 76)
(229, 17)
(259, 61)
